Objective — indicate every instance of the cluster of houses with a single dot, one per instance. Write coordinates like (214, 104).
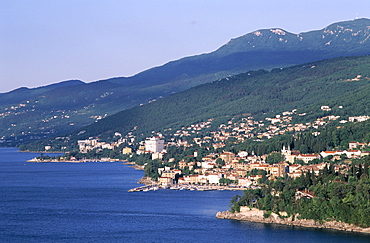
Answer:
(91, 143)
(237, 167)
(248, 128)
(239, 129)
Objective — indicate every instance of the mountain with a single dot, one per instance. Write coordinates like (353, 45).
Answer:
(21, 94)
(262, 49)
(341, 82)
(350, 35)
(30, 114)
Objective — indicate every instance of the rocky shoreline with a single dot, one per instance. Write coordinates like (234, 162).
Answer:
(147, 181)
(134, 165)
(256, 215)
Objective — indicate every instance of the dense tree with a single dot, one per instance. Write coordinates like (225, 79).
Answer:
(259, 93)
(346, 201)
(275, 158)
(225, 181)
(220, 162)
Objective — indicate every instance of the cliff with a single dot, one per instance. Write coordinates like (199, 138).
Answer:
(256, 215)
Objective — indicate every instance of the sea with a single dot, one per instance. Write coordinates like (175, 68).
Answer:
(90, 202)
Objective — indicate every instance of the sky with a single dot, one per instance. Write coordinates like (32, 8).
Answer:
(48, 41)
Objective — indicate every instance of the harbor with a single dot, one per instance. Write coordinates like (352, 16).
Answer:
(190, 187)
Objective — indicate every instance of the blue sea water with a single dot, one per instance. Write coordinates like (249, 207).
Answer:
(90, 202)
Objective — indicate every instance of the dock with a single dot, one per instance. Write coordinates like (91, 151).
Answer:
(144, 188)
(155, 187)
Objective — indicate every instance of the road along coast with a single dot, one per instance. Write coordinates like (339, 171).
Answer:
(256, 215)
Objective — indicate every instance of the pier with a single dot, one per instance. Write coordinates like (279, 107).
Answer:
(155, 187)
(144, 188)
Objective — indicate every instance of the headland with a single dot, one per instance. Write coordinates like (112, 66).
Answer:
(256, 215)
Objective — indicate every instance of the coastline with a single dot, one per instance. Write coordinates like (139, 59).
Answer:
(35, 160)
(134, 165)
(256, 215)
(42, 152)
(149, 184)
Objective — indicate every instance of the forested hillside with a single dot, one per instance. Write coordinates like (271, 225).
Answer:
(337, 82)
(304, 87)
(334, 196)
(31, 114)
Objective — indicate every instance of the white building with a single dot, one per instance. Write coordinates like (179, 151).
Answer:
(86, 145)
(243, 154)
(208, 164)
(154, 144)
(213, 178)
(244, 182)
(308, 157)
(325, 108)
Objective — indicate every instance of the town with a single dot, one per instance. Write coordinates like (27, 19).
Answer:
(216, 168)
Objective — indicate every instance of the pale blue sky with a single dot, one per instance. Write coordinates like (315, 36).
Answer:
(47, 41)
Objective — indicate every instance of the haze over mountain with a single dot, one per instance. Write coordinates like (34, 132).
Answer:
(29, 114)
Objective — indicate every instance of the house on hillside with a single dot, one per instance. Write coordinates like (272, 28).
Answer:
(227, 156)
(278, 170)
(325, 108)
(308, 157)
(304, 194)
(353, 145)
(154, 145)
(289, 155)
(353, 153)
(126, 150)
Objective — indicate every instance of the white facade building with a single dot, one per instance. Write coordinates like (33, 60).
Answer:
(154, 145)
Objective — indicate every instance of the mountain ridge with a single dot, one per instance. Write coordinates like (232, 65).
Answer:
(42, 113)
(335, 82)
(358, 25)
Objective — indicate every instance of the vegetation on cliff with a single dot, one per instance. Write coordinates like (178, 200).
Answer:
(330, 195)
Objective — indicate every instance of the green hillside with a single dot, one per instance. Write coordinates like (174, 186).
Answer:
(31, 114)
(336, 82)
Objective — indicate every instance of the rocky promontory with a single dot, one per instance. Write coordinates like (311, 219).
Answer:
(256, 215)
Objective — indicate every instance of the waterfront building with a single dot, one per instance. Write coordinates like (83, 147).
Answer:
(169, 173)
(244, 182)
(86, 145)
(165, 181)
(213, 178)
